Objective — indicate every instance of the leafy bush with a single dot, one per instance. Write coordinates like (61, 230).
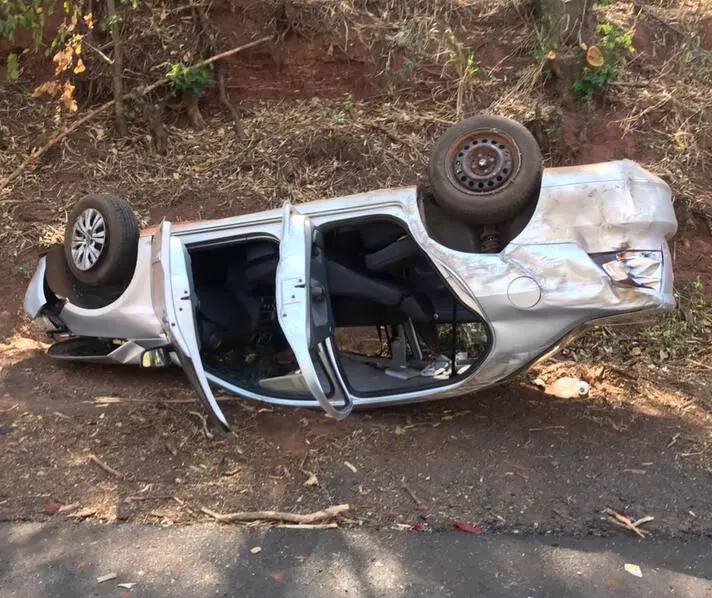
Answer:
(614, 43)
(189, 79)
(22, 14)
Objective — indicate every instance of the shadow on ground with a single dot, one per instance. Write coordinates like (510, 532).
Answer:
(47, 560)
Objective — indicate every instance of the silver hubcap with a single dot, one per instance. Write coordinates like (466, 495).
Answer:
(88, 239)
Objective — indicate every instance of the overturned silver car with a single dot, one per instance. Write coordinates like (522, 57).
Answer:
(379, 298)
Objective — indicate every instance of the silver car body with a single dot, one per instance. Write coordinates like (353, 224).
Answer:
(544, 285)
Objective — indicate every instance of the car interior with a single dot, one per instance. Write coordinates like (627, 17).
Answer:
(393, 315)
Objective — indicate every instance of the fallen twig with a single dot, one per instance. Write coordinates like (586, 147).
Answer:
(142, 498)
(69, 507)
(633, 119)
(705, 366)
(104, 466)
(622, 372)
(204, 420)
(331, 525)
(547, 428)
(642, 520)
(181, 502)
(694, 454)
(563, 515)
(631, 84)
(83, 514)
(674, 440)
(625, 522)
(132, 95)
(410, 493)
(660, 19)
(307, 518)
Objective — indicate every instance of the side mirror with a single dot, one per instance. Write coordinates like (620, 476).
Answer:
(155, 358)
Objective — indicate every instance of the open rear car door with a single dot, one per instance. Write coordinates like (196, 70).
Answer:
(175, 303)
(304, 311)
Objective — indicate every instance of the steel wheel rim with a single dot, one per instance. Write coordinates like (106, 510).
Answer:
(483, 162)
(88, 239)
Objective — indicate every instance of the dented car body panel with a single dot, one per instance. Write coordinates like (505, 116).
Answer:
(595, 247)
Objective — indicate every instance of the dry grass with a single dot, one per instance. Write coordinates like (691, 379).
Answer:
(313, 148)
(309, 150)
(670, 337)
(666, 97)
(298, 150)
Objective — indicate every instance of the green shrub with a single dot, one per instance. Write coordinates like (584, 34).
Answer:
(189, 79)
(614, 43)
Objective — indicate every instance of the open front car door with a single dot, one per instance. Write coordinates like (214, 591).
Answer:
(175, 303)
(304, 311)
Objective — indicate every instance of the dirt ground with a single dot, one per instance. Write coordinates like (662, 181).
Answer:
(510, 458)
(345, 113)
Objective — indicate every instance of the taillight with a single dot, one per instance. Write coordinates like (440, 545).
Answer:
(634, 268)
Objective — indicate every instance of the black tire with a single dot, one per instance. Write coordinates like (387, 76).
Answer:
(117, 259)
(500, 183)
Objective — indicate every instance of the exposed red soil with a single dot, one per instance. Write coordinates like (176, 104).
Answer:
(692, 258)
(594, 137)
(297, 69)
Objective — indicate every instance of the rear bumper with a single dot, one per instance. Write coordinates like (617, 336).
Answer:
(130, 316)
(655, 300)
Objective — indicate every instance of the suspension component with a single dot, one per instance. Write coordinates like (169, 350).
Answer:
(489, 240)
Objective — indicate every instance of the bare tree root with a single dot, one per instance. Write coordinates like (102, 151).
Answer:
(132, 95)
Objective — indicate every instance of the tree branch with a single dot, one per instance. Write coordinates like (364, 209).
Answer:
(132, 95)
(244, 516)
(219, 71)
(117, 69)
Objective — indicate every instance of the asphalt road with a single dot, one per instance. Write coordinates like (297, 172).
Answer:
(43, 560)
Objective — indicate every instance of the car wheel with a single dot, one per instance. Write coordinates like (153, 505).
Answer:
(101, 240)
(485, 169)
